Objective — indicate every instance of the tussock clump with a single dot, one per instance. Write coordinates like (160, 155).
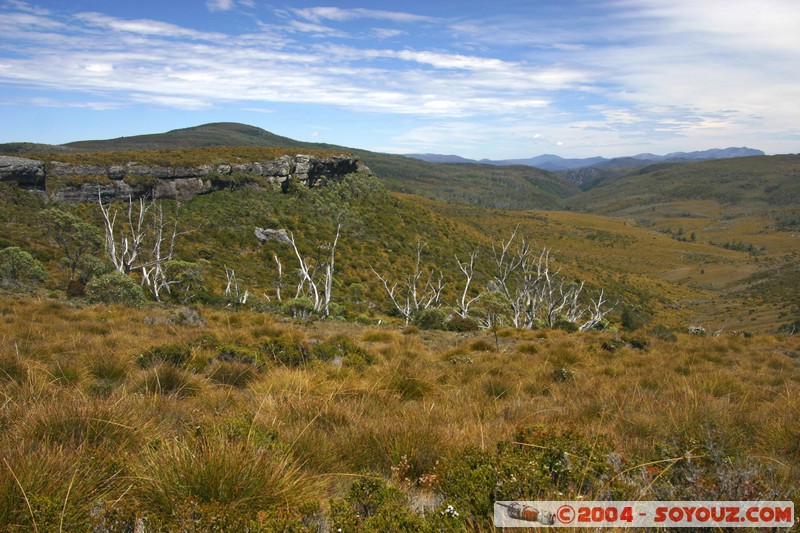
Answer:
(232, 373)
(198, 480)
(168, 380)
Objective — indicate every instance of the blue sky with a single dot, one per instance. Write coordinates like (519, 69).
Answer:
(501, 79)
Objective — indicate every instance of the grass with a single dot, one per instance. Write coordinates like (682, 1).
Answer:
(250, 447)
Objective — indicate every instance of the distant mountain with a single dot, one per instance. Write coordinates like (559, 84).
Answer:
(550, 162)
(440, 158)
(556, 163)
(714, 153)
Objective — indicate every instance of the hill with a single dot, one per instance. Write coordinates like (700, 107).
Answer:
(206, 135)
(481, 185)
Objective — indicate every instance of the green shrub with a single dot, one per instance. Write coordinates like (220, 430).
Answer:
(431, 318)
(634, 318)
(286, 350)
(300, 308)
(374, 505)
(90, 267)
(19, 270)
(115, 288)
(239, 354)
(341, 348)
(461, 324)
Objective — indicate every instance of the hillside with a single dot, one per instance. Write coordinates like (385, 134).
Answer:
(481, 185)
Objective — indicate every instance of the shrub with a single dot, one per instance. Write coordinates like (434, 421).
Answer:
(89, 267)
(664, 333)
(115, 288)
(374, 505)
(634, 318)
(341, 348)
(300, 308)
(286, 350)
(19, 270)
(461, 324)
(431, 318)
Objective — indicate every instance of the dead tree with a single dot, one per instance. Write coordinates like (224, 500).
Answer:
(320, 291)
(232, 292)
(597, 313)
(413, 296)
(154, 273)
(146, 243)
(465, 301)
(279, 283)
(125, 254)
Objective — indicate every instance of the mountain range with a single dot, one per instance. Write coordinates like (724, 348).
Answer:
(556, 163)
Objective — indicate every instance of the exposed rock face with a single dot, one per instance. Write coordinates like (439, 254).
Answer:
(137, 180)
(26, 172)
(277, 235)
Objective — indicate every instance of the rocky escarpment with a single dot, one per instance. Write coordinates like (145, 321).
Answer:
(73, 183)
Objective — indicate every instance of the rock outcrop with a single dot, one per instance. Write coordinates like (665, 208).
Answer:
(27, 172)
(83, 183)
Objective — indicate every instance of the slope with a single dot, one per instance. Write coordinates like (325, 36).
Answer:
(517, 187)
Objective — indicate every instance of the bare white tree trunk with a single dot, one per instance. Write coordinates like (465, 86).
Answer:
(415, 297)
(232, 293)
(279, 284)
(321, 292)
(125, 253)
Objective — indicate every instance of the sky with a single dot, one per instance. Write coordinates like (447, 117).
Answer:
(499, 80)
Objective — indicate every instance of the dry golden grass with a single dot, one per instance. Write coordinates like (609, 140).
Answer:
(70, 385)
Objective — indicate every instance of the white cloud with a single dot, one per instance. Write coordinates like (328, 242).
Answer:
(219, 5)
(641, 69)
(318, 14)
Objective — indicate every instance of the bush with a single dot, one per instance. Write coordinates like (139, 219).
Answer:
(90, 267)
(431, 318)
(300, 308)
(286, 350)
(461, 324)
(19, 270)
(634, 318)
(115, 288)
(240, 354)
(342, 349)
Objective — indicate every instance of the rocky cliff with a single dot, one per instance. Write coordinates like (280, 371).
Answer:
(81, 183)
